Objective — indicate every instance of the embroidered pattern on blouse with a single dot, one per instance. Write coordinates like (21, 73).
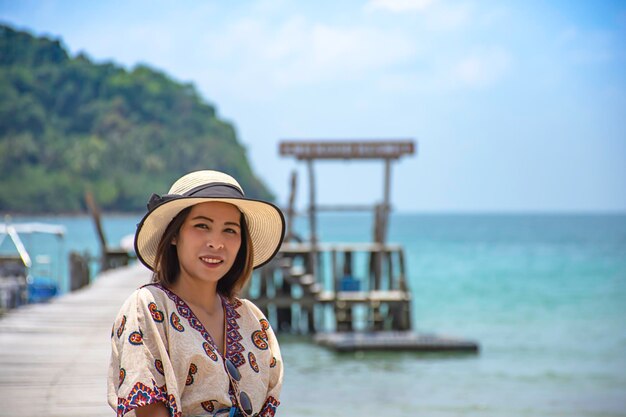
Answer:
(157, 315)
(158, 364)
(273, 362)
(193, 369)
(209, 351)
(142, 395)
(208, 405)
(269, 408)
(252, 362)
(195, 323)
(234, 349)
(122, 376)
(259, 338)
(175, 322)
(264, 324)
(120, 329)
(135, 338)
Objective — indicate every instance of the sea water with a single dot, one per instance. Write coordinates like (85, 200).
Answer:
(544, 295)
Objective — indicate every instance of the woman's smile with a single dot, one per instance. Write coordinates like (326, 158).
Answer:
(211, 260)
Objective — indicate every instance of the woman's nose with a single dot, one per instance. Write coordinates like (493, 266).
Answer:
(215, 243)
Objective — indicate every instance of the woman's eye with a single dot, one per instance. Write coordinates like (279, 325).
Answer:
(229, 230)
(202, 226)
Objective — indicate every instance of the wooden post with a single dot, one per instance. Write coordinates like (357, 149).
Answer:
(385, 208)
(265, 276)
(335, 274)
(402, 277)
(386, 201)
(79, 270)
(291, 211)
(110, 258)
(393, 285)
(284, 315)
(310, 314)
(347, 263)
(312, 220)
(95, 213)
(405, 315)
(343, 316)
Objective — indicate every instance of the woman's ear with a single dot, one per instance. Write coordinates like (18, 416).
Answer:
(174, 240)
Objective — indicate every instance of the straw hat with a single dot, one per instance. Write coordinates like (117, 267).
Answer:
(266, 223)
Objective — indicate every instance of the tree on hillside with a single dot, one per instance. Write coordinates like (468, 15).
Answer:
(68, 125)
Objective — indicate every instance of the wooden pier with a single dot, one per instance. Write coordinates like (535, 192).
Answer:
(334, 290)
(54, 356)
(351, 296)
(395, 340)
(333, 279)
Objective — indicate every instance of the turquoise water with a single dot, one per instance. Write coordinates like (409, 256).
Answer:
(545, 295)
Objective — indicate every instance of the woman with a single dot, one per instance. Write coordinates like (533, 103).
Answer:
(185, 345)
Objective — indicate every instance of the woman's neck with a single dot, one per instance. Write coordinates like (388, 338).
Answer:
(200, 295)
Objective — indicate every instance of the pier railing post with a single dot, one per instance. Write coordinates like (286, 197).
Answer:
(79, 270)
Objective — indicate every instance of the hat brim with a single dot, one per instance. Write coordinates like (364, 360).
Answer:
(266, 225)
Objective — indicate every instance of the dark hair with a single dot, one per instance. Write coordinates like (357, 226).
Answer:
(167, 266)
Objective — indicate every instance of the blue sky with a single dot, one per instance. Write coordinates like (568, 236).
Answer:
(516, 105)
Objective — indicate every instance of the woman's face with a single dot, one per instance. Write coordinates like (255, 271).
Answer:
(208, 242)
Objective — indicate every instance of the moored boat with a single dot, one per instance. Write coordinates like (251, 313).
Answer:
(24, 279)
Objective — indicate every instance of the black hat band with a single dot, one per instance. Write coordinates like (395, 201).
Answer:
(212, 190)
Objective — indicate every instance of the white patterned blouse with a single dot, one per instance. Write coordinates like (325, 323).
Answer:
(161, 352)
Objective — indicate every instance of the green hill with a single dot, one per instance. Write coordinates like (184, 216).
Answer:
(68, 124)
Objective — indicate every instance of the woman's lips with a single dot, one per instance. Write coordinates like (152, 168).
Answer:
(211, 260)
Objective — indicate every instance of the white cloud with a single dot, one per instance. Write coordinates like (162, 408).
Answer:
(256, 55)
(299, 52)
(329, 53)
(435, 15)
(484, 68)
(450, 16)
(481, 69)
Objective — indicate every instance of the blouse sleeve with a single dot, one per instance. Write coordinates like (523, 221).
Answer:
(140, 372)
(276, 366)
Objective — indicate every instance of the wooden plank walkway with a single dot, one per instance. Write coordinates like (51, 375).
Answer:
(54, 357)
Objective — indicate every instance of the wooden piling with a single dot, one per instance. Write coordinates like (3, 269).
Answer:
(79, 270)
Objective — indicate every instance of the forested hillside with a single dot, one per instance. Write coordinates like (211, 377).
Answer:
(68, 124)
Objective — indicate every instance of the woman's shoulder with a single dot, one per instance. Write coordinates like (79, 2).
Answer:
(146, 294)
(246, 306)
